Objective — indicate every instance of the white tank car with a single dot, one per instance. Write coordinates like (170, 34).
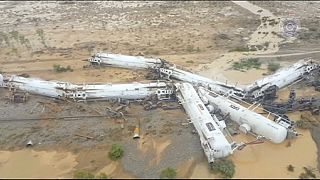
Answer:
(1, 80)
(124, 61)
(124, 91)
(247, 119)
(37, 86)
(282, 78)
(213, 142)
(196, 79)
(58, 89)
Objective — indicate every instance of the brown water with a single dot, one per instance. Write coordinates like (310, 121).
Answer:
(33, 164)
(268, 160)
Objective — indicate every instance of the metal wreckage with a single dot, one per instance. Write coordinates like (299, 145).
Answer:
(209, 104)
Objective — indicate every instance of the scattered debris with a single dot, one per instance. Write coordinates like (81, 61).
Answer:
(88, 137)
(30, 143)
(137, 131)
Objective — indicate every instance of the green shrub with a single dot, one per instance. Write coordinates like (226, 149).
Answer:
(116, 152)
(168, 173)
(273, 67)
(103, 176)
(14, 35)
(224, 167)
(290, 168)
(189, 61)
(83, 175)
(309, 172)
(267, 44)
(4, 37)
(240, 49)
(40, 32)
(59, 68)
(41, 35)
(247, 64)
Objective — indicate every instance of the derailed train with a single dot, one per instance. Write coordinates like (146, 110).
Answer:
(58, 89)
(254, 92)
(210, 130)
(198, 105)
(249, 121)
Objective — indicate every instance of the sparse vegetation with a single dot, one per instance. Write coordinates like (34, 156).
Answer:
(259, 47)
(290, 168)
(312, 29)
(189, 61)
(267, 44)
(4, 37)
(116, 152)
(168, 173)
(24, 41)
(14, 35)
(88, 175)
(240, 49)
(83, 175)
(247, 64)
(312, 34)
(303, 124)
(307, 174)
(190, 48)
(58, 68)
(223, 167)
(151, 52)
(272, 67)
(41, 35)
(14, 51)
(103, 176)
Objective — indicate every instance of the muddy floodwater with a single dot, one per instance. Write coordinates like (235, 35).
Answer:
(36, 164)
(268, 160)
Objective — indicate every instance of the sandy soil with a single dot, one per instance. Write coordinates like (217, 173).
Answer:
(36, 164)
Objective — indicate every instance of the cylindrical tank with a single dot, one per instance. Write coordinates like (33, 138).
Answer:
(259, 124)
(205, 100)
(1, 80)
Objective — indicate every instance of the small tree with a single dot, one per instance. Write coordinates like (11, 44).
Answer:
(59, 68)
(83, 175)
(116, 152)
(168, 173)
(224, 167)
(290, 168)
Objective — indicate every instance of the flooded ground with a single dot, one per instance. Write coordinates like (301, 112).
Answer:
(36, 164)
(255, 161)
(268, 160)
